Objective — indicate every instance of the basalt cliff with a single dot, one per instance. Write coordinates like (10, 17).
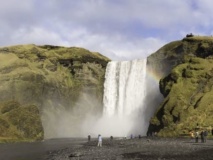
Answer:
(186, 68)
(35, 80)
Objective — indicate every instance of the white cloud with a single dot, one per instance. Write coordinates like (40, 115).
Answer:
(116, 46)
(120, 29)
(37, 36)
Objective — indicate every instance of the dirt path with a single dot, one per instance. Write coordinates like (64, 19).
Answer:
(155, 148)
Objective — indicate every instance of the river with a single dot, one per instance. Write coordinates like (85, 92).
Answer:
(36, 150)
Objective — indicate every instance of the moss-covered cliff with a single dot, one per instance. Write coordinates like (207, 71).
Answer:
(50, 77)
(172, 54)
(187, 87)
(19, 123)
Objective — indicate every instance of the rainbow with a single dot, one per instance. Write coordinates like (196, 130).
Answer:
(151, 74)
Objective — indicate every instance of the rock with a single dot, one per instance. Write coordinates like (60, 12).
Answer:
(20, 123)
(51, 77)
(75, 155)
(166, 148)
(186, 87)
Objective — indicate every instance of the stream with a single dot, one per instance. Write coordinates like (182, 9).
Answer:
(36, 150)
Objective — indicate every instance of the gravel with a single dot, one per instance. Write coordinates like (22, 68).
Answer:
(144, 148)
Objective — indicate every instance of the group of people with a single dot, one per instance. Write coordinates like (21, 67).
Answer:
(99, 140)
(111, 138)
(202, 134)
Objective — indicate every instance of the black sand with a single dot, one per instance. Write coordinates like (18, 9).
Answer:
(144, 148)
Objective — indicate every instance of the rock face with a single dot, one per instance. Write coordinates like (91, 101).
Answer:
(51, 77)
(187, 86)
(19, 123)
(173, 53)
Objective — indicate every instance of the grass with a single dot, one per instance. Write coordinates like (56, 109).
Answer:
(19, 123)
(199, 38)
(45, 76)
(187, 85)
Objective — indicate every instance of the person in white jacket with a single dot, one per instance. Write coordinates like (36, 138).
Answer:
(99, 141)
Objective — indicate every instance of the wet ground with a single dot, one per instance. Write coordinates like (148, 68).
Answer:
(37, 150)
(144, 148)
(117, 149)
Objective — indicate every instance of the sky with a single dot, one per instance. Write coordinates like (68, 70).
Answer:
(118, 29)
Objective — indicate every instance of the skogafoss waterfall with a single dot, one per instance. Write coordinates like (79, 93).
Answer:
(124, 87)
(124, 94)
(124, 109)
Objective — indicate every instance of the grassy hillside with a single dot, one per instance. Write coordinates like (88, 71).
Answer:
(162, 61)
(51, 77)
(187, 88)
(19, 123)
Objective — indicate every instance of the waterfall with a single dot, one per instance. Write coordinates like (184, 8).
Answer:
(124, 94)
(124, 109)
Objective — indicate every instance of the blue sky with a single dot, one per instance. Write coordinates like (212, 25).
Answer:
(118, 29)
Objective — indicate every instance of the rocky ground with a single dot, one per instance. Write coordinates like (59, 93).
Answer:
(144, 148)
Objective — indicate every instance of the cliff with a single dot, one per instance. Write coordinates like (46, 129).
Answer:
(186, 68)
(50, 77)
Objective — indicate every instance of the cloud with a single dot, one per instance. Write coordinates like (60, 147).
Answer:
(119, 29)
(38, 36)
(115, 46)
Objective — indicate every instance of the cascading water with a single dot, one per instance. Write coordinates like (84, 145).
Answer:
(124, 109)
(124, 94)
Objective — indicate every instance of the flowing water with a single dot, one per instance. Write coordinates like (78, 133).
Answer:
(37, 150)
(124, 108)
(124, 94)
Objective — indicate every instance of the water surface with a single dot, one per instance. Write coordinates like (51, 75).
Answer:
(36, 150)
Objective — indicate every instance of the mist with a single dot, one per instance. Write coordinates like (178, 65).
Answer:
(89, 117)
(81, 121)
(69, 121)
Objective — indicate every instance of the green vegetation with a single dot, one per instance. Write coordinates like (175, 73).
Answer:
(19, 123)
(162, 61)
(187, 87)
(35, 77)
(45, 76)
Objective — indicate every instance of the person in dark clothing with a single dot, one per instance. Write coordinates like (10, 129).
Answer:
(205, 134)
(196, 136)
(89, 138)
(202, 136)
(111, 138)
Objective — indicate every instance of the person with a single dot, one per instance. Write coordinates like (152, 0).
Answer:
(111, 138)
(191, 134)
(202, 136)
(89, 137)
(205, 134)
(196, 136)
(99, 141)
(152, 134)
